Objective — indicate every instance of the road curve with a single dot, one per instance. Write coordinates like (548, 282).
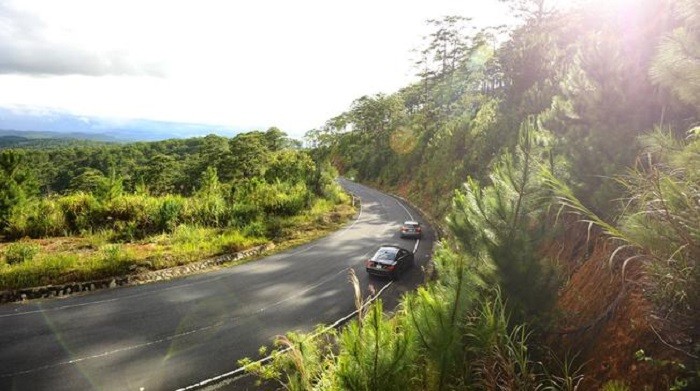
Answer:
(174, 334)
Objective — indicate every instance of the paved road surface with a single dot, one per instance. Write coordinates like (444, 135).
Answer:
(170, 335)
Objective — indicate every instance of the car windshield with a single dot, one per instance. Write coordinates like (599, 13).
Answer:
(411, 225)
(385, 254)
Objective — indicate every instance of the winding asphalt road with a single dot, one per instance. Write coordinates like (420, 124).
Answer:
(175, 334)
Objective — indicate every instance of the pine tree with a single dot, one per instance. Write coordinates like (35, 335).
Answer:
(497, 224)
(17, 185)
(677, 63)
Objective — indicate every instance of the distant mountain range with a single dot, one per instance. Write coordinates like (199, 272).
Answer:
(41, 123)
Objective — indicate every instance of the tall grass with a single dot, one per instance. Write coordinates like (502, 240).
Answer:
(135, 216)
(20, 252)
(661, 222)
(115, 248)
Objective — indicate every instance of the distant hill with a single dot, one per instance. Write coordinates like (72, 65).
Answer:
(48, 139)
(18, 135)
(34, 123)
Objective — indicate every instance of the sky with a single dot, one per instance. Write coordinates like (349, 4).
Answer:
(241, 64)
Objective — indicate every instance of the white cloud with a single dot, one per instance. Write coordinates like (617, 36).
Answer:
(28, 46)
(292, 64)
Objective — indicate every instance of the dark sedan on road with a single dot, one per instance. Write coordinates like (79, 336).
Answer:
(389, 261)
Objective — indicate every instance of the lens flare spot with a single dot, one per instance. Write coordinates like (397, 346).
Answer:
(402, 140)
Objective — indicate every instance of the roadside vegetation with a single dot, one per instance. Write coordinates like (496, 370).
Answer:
(580, 126)
(86, 212)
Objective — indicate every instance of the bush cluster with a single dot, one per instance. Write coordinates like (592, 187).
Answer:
(134, 216)
(20, 252)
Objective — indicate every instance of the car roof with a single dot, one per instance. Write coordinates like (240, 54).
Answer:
(386, 253)
(411, 222)
(392, 246)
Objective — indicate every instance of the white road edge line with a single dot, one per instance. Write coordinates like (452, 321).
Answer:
(404, 208)
(268, 358)
(415, 248)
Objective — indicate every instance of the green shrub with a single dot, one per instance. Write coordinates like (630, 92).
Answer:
(114, 260)
(19, 252)
(209, 211)
(233, 241)
(243, 213)
(128, 231)
(82, 212)
(169, 213)
(100, 238)
(139, 212)
(185, 233)
(274, 227)
(48, 221)
(281, 199)
(47, 269)
(16, 225)
(38, 219)
(376, 353)
(615, 385)
(255, 229)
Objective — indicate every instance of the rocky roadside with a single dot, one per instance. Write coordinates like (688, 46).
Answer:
(136, 278)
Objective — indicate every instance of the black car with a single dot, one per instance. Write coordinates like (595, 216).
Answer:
(389, 261)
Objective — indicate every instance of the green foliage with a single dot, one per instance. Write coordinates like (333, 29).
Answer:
(20, 252)
(96, 255)
(675, 65)
(209, 208)
(438, 315)
(375, 353)
(254, 177)
(209, 184)
(163, 167)
(212, 195)
(289, 166)
(110, 188)
(37, 218)
(564, 376)
(17, 184)
(44, 269)
(298, 363)
(80, 209)
(615, 385)
(583, 87)
(169, 213)
(661, 220)
(686, 378)
(114, 259)
(89, 181)
(500, 224)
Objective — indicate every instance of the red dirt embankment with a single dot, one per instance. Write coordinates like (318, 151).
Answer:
(608, 321)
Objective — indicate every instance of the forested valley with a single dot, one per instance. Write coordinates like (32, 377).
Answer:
(562, 164)
(79, 211)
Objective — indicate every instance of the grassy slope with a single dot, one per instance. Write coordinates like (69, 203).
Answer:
(598, 320)
(68, 259)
